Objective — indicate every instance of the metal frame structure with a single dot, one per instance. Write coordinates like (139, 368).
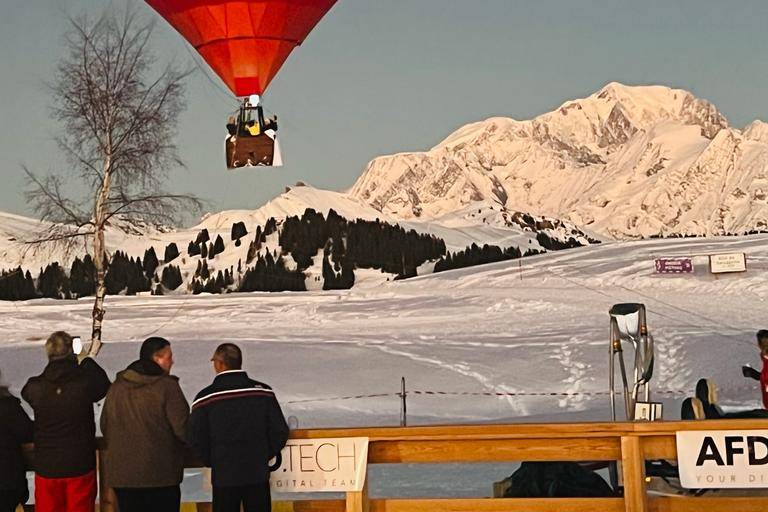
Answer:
(629, 326)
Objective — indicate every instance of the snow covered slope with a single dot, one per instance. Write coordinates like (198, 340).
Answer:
(293, 202)
(625, 162)
(472, 333)
(479, 224)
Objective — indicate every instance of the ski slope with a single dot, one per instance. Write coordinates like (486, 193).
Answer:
(525, 328)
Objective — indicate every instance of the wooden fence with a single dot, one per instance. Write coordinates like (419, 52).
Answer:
(630, 443)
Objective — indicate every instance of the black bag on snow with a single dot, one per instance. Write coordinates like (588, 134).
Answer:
(556, 480)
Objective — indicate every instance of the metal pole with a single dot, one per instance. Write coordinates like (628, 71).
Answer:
(403, 404)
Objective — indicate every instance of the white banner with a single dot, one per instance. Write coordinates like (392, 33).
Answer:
(722, 263)
(721, 459)
(322, 465)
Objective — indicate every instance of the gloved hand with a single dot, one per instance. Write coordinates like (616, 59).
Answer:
(750, 372)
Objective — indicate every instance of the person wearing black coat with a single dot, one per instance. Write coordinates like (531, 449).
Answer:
(15, 430)
(236, 427)
(62, 398)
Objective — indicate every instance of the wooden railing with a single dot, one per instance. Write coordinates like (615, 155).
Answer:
(630, 443)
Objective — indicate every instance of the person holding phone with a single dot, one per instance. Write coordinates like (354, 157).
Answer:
(62, 399)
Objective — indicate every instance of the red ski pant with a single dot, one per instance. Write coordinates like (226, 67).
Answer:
(76, 494)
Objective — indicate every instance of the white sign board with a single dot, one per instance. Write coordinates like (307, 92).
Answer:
(722, 263)
(720, 459)
(322, 465)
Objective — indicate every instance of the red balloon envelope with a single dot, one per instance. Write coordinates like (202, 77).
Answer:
(244, 41)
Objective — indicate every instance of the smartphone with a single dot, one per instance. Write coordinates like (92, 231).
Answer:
(77, 345)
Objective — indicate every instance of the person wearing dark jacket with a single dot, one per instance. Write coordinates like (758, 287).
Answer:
(237, 426)
(62, 399)
(15, 430)
(144, 424)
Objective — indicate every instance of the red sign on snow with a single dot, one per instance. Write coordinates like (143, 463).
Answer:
(674, 266)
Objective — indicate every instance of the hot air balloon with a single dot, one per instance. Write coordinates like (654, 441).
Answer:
(245, 42)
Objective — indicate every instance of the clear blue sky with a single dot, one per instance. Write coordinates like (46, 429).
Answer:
(385, 76)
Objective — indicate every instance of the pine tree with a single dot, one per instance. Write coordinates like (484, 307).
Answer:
(220, 282)
(53, 283)
(269, 228)
(193, 249)
(210, 286)
(78, 282)
(252, 251)
(150, 262)
(171, 278)
(28, 291)
(218, 246)
(238, 232)
(171, 252)
(116, 279)
(202, 237)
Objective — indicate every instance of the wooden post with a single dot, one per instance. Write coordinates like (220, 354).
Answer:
(633, 472)
(357, 501)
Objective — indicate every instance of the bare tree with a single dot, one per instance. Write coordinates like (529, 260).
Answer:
(117, 133)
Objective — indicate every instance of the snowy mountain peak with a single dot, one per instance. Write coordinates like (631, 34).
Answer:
(616, 111)
(618, 162)
(757, 131)
(293, 202)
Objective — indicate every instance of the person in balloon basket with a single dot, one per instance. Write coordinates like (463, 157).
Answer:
(253, 127)
(144, 425)
(236, 427)
(64, 433)
(232, 126)
(15, 430)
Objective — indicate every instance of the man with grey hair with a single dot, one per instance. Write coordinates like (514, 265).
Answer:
(236, 427)
(62, 399)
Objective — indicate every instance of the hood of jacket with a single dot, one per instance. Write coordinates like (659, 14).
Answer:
(61, 370)
(142, 373)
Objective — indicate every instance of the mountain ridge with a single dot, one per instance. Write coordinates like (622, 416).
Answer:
(584, 160)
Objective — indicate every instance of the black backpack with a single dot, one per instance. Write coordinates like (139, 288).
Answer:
(556, 480)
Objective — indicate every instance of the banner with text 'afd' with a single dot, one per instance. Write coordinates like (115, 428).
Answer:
(719, 459)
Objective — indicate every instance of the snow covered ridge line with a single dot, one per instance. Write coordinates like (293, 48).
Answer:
(295, 254)
(625, 162)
